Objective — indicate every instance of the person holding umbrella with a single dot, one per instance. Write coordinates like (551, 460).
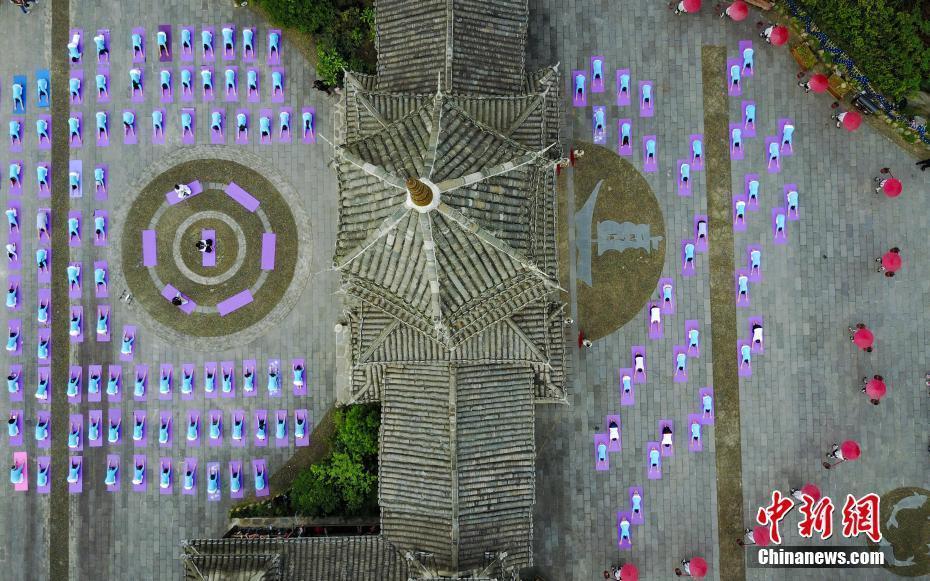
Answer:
(875, 388)
(694, 567)
(890, 262)
(818, 83)
(626, 572)
(849, 120)
(808, 489)
(775, 34)
(737, 11)
(687, 6)
(862, 337)
(890, 185)
(757, 535)
(848, 450)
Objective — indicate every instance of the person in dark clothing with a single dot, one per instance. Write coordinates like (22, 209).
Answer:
(322, 86)
(923, 165)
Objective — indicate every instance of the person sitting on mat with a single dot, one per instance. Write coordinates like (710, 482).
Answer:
(139, 475)
(210, 383)
(182, 190)
(205, 245)
(178, 300)
(189, 478)
(74, 436)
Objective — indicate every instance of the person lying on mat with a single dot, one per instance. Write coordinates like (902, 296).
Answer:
(187, 382)
(602, 452)
(237, 429)
(93, 430)
(113, 430)
(12, 381)
(126, 347)
(667, 436)
(93, 384)
(213, 480)
(227, 381)
(138, 429)
(138, 475)
(214, 428)
(112, 470)
(235, 480)
(300, 426)
(12, 426)
(210, 381)
(165, 478)
(163, 430)
(249, 377)
(613, 431)
(273, 384)
(193, 429)
(280, 430)
(74, 385)
(16, 473)
(298, 375)
(112, 384)
(74, 471)
(260, 478)
(189, 479)
(260, 429)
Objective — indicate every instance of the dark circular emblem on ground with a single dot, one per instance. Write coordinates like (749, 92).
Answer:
(238, 248)
(619, 247)
(905, 525)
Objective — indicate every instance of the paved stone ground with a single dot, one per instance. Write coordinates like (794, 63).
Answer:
(115, 534)
(803, 392)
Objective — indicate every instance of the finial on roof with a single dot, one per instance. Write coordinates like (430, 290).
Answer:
(420, 193)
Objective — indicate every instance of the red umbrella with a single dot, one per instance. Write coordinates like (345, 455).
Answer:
(892, 187)
(779, 35)
(850, 449)
(629, 572)
(738, 10)
(863, 338)
(698, 567)
(875, 389)
(891, 261)
(852, 120)
(692, 5)
(818, 83)
(760, 536)
(812, 491)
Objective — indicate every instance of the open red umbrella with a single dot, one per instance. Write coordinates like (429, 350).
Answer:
(852, 120)
(692, 5)
(760, 536)
(818, 83)
(738, 10)
(779, 35)
(850, 449)
(892, 187)
(698, 567)
(891, 261)
(863, 338)
(875, 389)
(812, 491)
(629, 572)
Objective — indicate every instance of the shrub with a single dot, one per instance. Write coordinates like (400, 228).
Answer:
(330, 64)
(312, 494)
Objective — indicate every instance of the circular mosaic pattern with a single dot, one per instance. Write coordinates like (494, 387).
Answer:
(619, 248)
(238, 247)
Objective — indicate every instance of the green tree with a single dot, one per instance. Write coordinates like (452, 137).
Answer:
(355, 484)
(313, 495)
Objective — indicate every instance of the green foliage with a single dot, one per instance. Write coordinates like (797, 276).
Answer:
(888, 39)
(312, 493)
(344, 31)
(357, 430)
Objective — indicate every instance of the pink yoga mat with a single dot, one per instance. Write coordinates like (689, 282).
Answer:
(22, 459)
(623, 87)
(601, 466)
(627, 397)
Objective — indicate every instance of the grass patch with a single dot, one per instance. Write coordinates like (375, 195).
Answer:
(623, 281)
(911, 537)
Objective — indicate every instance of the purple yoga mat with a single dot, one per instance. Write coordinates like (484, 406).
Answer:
(138, 460)
(308, 137)
(741, 300)
(17, 440)
(189, 137)
(95, 371)
(231, 93)
(169, 292)
(208, 258)
(300, 389)
(698, 444)
(248, 365)
(235, 302)
(258, 466)
(173, 198)
(214, 468)
(757, 347)
(262, 138)
(128, 330)
(653, 473)
(193, 415)
(188, 370)
(284, 136)
(77, 421)
(274, 58)
(623, 94)
(639, 375)
(95, 416)
(218, 137)
(44, 416)
(45, 190)
(792, 214)
(280, 415)
(138, 57)
(627, 398)
(235, 467)
(116, 371)
(597, 83)
(114, 416)
(190, 465)
(755, 274)
(268, 250)
(700, 233)
(604, 465)
(149, 248)
(737, 148)
(749, 124)
(165, 416)
(162, 464)
(625, 544)
(166, 370)
(667, 451)
(707, 418)
(739, 218)
(238, 415)
(235, 192)
(688, 268)
(745, 369)
(208, 54)
(103, 59)
(650, 165)
(684, 185)
(599, 136)
(304, 440)
(209, 369)
(734, 89)
(162, 57)
(679, 376)
(257, 417)
(141, 371)
(626, 149)
(646, 108)
(187, 52)
(79, 311)
(697, 161)
(277, 95)
(654, 327)
(136, 417)
(103, 337)
(228, 369)
(129, 133)
(637, 517)
(779, 237)
(692, 350)
(77, 487)
(613, 445)
(211, 416)
(101, 239)
(45, 334)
